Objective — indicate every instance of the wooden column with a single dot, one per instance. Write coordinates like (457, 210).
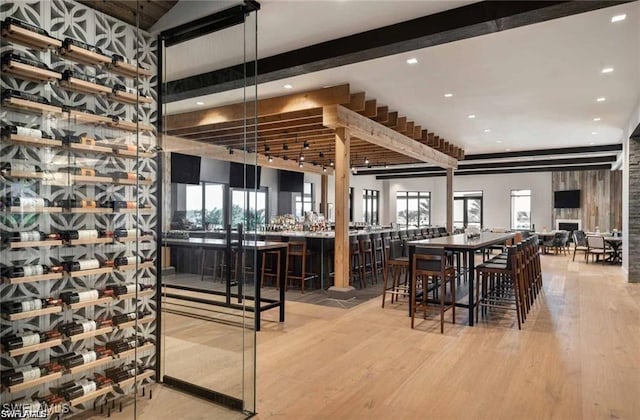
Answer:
(324, 194)
(450, 200)
(341, 288)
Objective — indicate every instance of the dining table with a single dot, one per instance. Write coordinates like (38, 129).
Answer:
(615, 242)
(468, 246)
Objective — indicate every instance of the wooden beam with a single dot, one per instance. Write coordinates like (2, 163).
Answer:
(356, 102)
(212, 151)
(324, 194)
(335, 116)
(417, 132)
(431, 140)
(342, 169)
(270, 106)
(450, 200)
(409, 130)
(370, 108)
(383, 114)
(393, 120)
(401, 125)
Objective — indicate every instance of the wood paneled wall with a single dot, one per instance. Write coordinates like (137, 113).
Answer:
(601, 198)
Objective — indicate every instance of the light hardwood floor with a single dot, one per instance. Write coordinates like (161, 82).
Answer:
(577, 357)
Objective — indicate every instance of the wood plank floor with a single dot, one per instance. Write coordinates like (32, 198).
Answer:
(577, 357)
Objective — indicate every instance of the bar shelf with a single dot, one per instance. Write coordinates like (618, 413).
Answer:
(144, 293)
(131, 267)
(29, 38)
(140, 321)
(30, 175)
(86, 179)
(89, 241)
(141, 377)
(32, 279)
(31, 106)
(79, 85)
(92, 272)
(34, 244)
(98, 210)
(90, 365)
(18, 209)
(133, 154)
(100, 301)
(130, 98)
(83, 56)
(129, 353)
(33, 314)
(36, 347)
(128, 70)
(90, 148)
(85, 117)
(35, 382)
(29, 72)
(100, 392)
(144, 238)
(32, 141)
(133, 126)
(77, 337)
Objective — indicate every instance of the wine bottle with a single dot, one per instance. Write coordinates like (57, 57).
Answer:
(21, 58)
(119, 290)
(72, 390)
(119, 374)
(115, 58)
(13, 21)
(74, 359)
(72, 297)
(128, 175)
(73, 139)
(80, 265)
(127, 233)
(29, 305)
(30, 270)
(23, 131)
(27, 202)
(32, 373)
(70, 41)
(117, 205)
(22, 166)
(12, 93)
(14, 342)
(131, 316)
(74, 203)
(120, 261)
(68, 74)
(78, 171)
(126, 344)
(75, 328)
(32, 236)
(85, 234)
(126, 89)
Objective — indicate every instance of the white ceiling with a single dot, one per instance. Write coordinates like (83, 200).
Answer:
(533, 87)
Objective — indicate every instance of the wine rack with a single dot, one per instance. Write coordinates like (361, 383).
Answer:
(57, 91)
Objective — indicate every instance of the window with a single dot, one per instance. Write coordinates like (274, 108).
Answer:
(304, 202)
(467, 209)
(413, 208)
(194, 204)
(249, 207)
(370, 206)
(205, 199)
(521, 209)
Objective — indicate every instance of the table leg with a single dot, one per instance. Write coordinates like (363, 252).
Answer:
(471, 277)
(282, 280)
(412, 251)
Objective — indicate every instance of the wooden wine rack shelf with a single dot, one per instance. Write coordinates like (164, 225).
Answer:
(133, 181)
(143, 211)
(29, 175)
(133, 154)
(99, 210)
(133, 126)
(136, 266)
(87, 179)
(141, 377)
(34, 244)
(130, 98)
(90, 148)
(32, 141)
(29, 38)
(90, 365)
(91, 396)
(90, 241)
(32, 314)
(18, 209)
(27, 71)
(31, 349)
(129, 353)
(144, 238)
(85, 117)
(83, 56)
(79, 85)
(32, 279)
(142, 294)
(140, 321)
(88, 303)
(31, 106)
(96, 333)
(128, 70)
(92, 272)
(35, 382)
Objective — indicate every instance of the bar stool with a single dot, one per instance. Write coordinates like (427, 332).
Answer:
(297, 253)
(430, 267)
(368, 261)
(355, 257)
(271, 265)
(378, 253)
(398, 264)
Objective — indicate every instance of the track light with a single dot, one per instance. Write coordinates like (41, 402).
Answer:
(301, 158)
(285, 147)
(230, 151)
(270, 158)
(266, 149)
(324, 169)
(301, 164)
(366, 161)
(330, 163)
(305, 145)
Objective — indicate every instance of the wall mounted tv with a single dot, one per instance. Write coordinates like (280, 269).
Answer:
(239, 172)
(569, 199)
(185, 169)
(289, 181)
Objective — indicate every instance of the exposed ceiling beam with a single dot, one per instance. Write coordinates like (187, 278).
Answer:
(335, 116)
(563, 168)
(546, 152)
(464, 22)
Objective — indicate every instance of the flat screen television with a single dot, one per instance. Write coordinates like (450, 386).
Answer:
(239, 172)
(185, 169)
(289, 181)
(569, 199)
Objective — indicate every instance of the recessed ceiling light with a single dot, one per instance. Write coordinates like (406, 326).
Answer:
(596, 119)
(472, 116)
(602, 99)
(499, 141)
(592, 143)
(607, 70)
(448, 95)
(507, 150)
(287, 86)
(487, 130)
(412, 60)
(618, 18)
(199, 103)
(594, 132)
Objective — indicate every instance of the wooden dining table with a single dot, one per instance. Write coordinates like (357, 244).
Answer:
(467, 247)
(615, 242)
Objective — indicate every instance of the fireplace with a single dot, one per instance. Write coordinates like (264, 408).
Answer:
(568, 224)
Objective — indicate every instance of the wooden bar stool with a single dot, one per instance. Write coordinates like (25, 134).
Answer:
(368, 261)
(398, 265)
(297, 256)
(378, 253)
(355, 258)
(271, 265)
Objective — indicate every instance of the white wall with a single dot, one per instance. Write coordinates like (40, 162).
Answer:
(369, 182)
(634, 120)
(496, 196)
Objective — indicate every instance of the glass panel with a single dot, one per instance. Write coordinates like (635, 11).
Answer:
(194, 205)
(401, 209)
(458, 213)
(412, 210)
(521, 209)
(474, 211)
(424, 211)
(214, 206)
